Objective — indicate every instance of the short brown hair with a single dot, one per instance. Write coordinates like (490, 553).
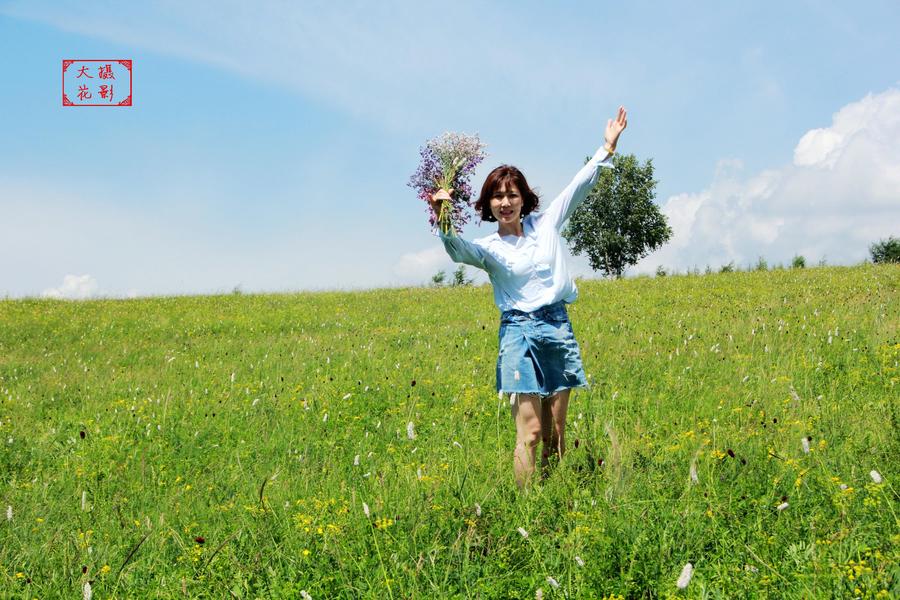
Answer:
(505, 174)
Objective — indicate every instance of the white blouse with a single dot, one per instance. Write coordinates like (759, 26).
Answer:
(530, 271)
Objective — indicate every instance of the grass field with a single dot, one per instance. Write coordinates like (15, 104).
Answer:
(231, 446)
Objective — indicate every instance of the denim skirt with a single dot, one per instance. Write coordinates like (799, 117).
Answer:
(538, 352)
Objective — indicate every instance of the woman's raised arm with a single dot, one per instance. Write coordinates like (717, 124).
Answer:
(460, 250)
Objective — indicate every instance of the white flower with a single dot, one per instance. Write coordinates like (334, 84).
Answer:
(346, 396)
(356, 460)
(255, 402)
(83, 499)
(86, 591)
(232, 377)
(875, 475)
(804, 443)
(579, 561)
(325, 417)
(411, 430)
(782, 506)
(843, 486)
(553, 583)
(9, 513)
(685, 578)
(305, 595)
(693, 472)
(522, 532)
(539, 594)
(477, 509)
(365, 509)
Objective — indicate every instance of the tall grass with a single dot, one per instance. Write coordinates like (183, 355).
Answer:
(224, 446)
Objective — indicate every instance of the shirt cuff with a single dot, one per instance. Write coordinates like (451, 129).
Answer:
(601, 158)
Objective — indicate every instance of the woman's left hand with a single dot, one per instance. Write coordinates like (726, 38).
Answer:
(615, 127)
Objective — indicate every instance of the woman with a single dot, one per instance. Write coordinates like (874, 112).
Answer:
(539, 360)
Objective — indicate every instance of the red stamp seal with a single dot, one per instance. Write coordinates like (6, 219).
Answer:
(95, 82)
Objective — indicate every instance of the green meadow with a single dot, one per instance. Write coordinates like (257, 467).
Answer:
(231, 446)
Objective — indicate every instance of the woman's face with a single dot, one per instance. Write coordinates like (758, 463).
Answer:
(506, 203)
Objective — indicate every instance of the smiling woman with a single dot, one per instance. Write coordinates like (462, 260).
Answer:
(539, 360)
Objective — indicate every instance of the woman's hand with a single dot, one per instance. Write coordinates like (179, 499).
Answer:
(615, 127)
(438, 197)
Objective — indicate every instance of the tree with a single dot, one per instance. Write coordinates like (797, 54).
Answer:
(799, 262)
(886, 251)
(618, 224)
(438, 278)
(459, 277)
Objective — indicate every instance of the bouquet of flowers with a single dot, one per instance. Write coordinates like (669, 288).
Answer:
(448, 162)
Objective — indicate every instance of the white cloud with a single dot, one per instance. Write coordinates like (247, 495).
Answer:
(418, 267)
(841, 193)
(74, 287)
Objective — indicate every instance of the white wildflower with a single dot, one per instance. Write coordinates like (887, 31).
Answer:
(410, 430)
(9, 513)
(346, 396)
(86, 591)
(356, 460)
(843, 486)
(782, 506)
(83, 499)
(579, 561)
(365, 509)
(232, 377)
(553, 583)
(539, 594)
(255, 402)
(685, 578)
(875, 475)
(305, 595)
(804, 443)
(477, 509)
(522, 532)
(325, 417)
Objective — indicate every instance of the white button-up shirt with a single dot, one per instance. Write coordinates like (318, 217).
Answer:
(530, 271)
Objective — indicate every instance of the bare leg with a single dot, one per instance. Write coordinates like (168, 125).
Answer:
(546, 434)
(558, 407)
(526, 411)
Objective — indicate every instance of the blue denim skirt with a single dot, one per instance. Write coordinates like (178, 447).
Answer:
(538, 352)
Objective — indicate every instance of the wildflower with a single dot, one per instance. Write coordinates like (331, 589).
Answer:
(804, 443)
(346, 396)
(448, 162)
(83, 499)
(685, 578)
(875, 475)
(553, 583)
(9, 513)
(325, 418)
(410, 430)
(356, 460)
(366, 509)
(522, 532)
(579, 561)
(305, 595)
(539, 594)
(232, 377)
(86, 591)
(477, 510)
(782, 506)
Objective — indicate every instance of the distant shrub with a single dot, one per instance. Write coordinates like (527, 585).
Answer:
(439, 278)
(886, 251)
(459, 277)
(798, 263)
(761, 265)
(729, 268)
(661, 271)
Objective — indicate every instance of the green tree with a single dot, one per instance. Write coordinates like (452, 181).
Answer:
(459, 277)
(799, 262)
(886, 251)
(439, 278)
(618, 224)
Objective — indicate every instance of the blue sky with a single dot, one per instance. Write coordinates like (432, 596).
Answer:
(269, 144)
